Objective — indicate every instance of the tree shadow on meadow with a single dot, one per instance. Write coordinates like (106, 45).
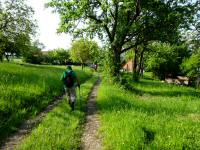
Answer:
(175, 93)
(167, 92)
(115, 104)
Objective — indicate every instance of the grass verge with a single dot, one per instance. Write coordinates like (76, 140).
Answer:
(154, 115)
(61, 128)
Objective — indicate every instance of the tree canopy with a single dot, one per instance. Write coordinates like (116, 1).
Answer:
(84, 51)
(57, 56)
(124, 24)
(191, 66)
(16, 27)
(34, 54)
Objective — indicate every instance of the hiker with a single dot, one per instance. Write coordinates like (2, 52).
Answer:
(70, 81)
(96, 67)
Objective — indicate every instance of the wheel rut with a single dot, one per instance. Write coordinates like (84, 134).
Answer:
(14, 139)
(90, 139)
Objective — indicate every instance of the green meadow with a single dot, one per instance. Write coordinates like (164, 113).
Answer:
(25, 90)
(149, 114)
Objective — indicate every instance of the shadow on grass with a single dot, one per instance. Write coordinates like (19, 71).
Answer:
(70, 114)
(115, 103)
(164, 93)
(175, 93)
(149, 135)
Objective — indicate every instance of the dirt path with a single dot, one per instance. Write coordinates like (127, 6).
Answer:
(90, 139)
(12, 141)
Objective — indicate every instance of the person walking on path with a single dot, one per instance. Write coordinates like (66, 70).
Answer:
(70, 81)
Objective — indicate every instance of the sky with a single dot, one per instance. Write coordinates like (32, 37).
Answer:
(47, 24)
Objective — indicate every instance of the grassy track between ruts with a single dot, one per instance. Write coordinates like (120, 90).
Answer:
(154, 115)
(27, 89)
(62, 128)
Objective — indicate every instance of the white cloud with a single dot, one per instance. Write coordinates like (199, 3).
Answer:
(48, 23)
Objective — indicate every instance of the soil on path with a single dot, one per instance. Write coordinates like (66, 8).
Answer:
(90, 139)
(15, 139)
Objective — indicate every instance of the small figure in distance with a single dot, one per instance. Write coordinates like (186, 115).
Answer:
(96, 67)
(70, 81)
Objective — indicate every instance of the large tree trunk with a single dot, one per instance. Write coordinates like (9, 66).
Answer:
(1, 57)
(7, 57)
(115, 62)
(198, 82)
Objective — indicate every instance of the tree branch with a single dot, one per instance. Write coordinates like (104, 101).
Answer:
(137, 12)
(126, 49)
(115, 20)
(112, 14)
(130, 37)
(105, 26)
(131, 46)
(130, 21)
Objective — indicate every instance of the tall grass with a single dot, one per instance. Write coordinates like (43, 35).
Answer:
(25, 90)
(153, 115)
(61, 128)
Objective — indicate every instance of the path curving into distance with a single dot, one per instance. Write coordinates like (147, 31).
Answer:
(90, 139)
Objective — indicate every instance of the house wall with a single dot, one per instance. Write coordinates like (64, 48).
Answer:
(128, 66)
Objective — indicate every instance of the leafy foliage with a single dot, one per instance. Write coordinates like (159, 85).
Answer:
(34, 54)
(165, 59)
(191, 66)
(124, 24)
(129, 55)
(16, 27)
(84, 51)
(58, 56)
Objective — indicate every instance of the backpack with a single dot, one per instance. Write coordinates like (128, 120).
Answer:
(69, 80)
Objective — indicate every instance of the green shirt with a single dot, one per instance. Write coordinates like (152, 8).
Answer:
(74, 76)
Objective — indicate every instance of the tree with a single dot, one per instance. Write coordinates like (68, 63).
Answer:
(34, 54)
(121, 22)
(84, 51)
(95, 52)
(164, 59)
(16, 27)
(191, 66)
(58, 56)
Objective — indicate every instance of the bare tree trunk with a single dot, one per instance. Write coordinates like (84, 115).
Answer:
(115, 62)
(141, 63)
(1, 58)
(198, 82)
(135, 73)
(135, 61)
(7, 58)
